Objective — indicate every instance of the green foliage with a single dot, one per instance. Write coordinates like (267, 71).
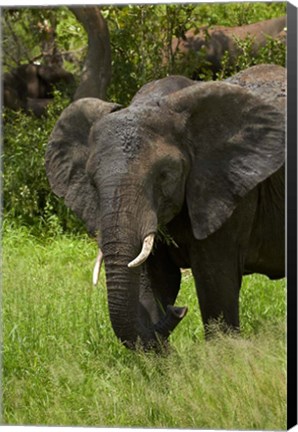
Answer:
(137, 44)
(141, 38)
(164, 237)
(70, 33)
(27, 196)
(274, 52)
(62, 364)
(261, 302)
(71, 40)
(21, 35)
(27, 33)
(141, 41)
(237, 14)
(61, 361)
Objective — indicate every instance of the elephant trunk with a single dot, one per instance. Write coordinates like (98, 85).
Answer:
(169, 322)
(123, 286)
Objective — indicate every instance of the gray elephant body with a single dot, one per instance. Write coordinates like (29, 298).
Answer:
(30, 86)
(202, 161)
(208, 45)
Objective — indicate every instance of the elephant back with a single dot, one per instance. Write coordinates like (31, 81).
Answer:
(266, 81)
(152, 92)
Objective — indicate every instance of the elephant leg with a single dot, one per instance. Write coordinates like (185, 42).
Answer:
(218, 282)
(218, 265)
(160, 283)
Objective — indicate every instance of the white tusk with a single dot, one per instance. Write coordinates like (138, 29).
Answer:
(97, 267)
(145, 252)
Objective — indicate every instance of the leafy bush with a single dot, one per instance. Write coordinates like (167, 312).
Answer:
(28, 199)
(139, 34)
(141, 38)
(274, 52)
(240, 13)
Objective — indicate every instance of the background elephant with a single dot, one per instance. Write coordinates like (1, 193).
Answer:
(203, 162)
(30, 86)
(208, 45)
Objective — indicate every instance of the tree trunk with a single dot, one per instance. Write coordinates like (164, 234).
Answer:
(97, 68)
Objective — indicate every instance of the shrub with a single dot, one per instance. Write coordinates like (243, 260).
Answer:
(137, 43)
(27, 195)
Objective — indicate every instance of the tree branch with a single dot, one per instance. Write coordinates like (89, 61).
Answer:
(97, 67)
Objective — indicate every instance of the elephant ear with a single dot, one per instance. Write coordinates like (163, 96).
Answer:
(236, 141)
(67, 154)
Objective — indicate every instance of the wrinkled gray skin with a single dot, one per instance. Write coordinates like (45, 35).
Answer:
(204, 160)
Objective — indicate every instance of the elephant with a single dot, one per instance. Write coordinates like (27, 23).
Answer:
(30, 86)
(189, 175)
(208, 45)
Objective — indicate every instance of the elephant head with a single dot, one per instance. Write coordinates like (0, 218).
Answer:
(127, 171)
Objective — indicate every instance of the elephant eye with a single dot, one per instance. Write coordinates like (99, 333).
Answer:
(168, 182)
(164, 175)
(168, 172)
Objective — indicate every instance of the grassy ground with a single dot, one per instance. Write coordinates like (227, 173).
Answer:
(62, 364)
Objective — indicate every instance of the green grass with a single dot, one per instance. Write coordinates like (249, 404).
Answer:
(62, 364)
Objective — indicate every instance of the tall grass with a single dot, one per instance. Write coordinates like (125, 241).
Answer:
(62, 364)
